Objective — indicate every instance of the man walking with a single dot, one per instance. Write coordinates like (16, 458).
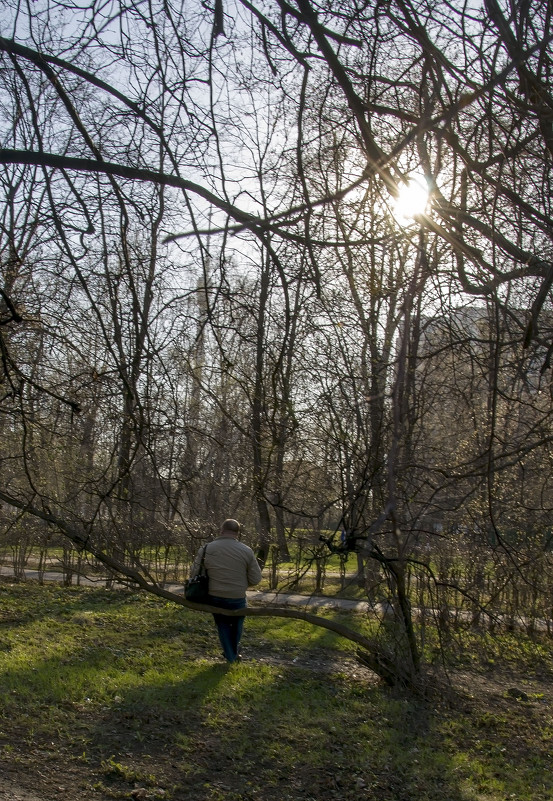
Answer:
(232, 568)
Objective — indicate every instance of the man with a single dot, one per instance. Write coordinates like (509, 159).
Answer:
(232, 568)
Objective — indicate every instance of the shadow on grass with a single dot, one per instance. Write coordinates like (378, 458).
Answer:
(120, 694)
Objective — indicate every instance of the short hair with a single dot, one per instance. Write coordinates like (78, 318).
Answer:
(231, 525)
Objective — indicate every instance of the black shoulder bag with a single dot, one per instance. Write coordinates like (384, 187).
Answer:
(196, 588)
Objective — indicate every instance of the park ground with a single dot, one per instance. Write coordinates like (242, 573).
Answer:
(114, 695)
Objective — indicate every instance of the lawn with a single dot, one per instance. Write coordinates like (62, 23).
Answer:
(107, 695)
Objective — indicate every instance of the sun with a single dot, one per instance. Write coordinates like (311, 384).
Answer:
(412, 200)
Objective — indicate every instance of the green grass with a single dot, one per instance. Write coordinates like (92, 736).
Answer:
(121, 691)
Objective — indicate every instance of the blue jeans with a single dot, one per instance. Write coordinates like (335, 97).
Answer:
(228, 628)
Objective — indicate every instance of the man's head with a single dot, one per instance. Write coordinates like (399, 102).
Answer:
(231, 527)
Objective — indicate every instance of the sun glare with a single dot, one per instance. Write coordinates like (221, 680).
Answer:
(412, 200)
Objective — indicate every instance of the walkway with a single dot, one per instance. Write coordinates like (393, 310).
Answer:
(311, 602)
(307, 602)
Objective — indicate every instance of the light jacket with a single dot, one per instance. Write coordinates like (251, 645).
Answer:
(231, 567)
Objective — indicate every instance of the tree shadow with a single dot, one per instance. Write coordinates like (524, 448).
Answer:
(267, 730)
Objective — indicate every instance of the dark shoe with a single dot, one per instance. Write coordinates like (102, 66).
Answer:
(237, 658)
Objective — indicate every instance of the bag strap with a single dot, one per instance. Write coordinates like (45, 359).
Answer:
(202, 568)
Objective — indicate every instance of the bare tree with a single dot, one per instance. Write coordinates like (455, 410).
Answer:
(140, 141)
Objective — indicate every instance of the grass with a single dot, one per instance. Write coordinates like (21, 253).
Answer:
(119, 695)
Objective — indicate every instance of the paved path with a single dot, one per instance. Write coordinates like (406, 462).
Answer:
(269, 598)
(311, 602)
